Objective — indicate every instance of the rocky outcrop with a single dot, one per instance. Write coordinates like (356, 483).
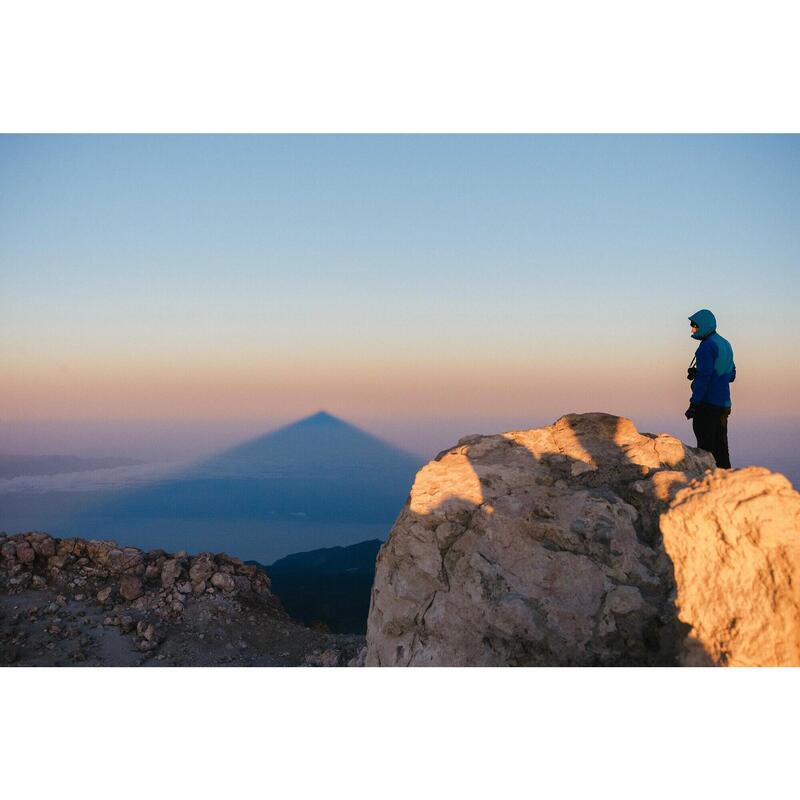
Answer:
(734, 542)
(152, 580)
(545, 547)
(73, 601)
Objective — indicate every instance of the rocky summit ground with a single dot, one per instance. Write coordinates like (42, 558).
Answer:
(588, 543)
(70, 602)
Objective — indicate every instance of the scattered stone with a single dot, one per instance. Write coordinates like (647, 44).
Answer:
(146, 630)
(57, 562)
(170, 572)
(44, 545)
(203, 567)
(25, 553)
(223, 581)
(104, 594)
(130, 587)
(9, 551)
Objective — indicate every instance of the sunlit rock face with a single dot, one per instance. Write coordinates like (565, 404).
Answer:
(544, 547)
(734, 541)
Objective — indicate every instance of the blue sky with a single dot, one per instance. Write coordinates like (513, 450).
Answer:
(236, 276)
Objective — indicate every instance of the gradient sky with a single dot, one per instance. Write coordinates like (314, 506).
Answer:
(386, 278)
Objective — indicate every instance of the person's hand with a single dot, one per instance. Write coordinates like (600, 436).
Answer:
(690, 412)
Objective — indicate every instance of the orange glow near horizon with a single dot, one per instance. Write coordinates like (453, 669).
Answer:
(159, 388)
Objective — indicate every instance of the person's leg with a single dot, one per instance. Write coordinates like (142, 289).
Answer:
(703, 430)
(721, 455)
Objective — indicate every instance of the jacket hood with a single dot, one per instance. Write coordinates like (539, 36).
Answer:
(706, 323)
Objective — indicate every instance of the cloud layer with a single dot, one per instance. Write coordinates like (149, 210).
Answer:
(92, 480)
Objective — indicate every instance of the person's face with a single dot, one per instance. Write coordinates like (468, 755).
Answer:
(694, 327)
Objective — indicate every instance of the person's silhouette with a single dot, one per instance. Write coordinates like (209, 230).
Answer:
(710, 403)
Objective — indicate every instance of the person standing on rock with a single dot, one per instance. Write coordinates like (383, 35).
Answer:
(710, 403)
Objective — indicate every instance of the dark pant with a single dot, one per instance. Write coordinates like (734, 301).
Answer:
(710, 425)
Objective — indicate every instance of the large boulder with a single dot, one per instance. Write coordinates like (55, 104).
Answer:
(734, 542)
(540, 547)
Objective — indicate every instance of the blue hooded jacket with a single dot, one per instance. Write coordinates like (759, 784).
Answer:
(715, 367)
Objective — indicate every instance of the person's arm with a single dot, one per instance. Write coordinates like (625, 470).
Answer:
(733, 373)
(705, 369)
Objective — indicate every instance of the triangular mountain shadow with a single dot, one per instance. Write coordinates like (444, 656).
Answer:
(318, 469)
(312, 447)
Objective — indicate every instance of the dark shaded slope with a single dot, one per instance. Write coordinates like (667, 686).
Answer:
(329, 586)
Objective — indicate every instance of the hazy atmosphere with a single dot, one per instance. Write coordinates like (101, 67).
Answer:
(167, 297)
